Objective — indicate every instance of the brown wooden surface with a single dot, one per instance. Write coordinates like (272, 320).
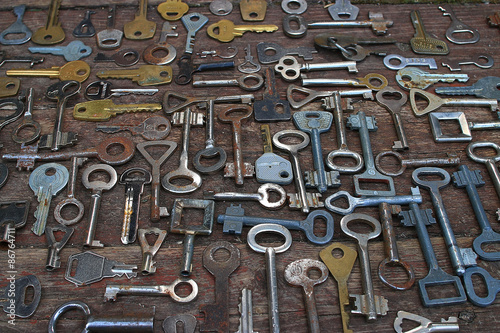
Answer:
(31, 250)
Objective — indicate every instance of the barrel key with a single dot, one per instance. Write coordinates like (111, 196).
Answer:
(148, 250)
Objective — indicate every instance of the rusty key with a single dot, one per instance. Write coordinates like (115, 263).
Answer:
(217, 315)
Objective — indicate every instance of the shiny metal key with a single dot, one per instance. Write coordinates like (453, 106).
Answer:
(458, 28)
(425, 325)
(153, 128)
(110, 38)
(140, 28)
(411, 77)
(167, 51)
(482, 61)
(289, 68)
(489, 161)
(373, 81)
(262, 196)
(124, 58)
(148, 250)
(103, 90)
(172, 10)
(17, 29)
(484, 88)
(85, 28)
(76, 162)
(422, 42)
(104, 109)
(451, 160)
(246, 312)
(27, 122)
(225, 30)
(249, 82)
(221, 7)
(52, 32)
(145, 75)
(55, 247)
(77, 70)
(249, 65)
(343, 10)
(14, 296)
(402, 62)
(46, 181)
(393, 101)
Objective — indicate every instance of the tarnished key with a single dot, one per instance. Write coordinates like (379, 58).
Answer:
(103, 90)
(55, 247)
(262, 196)
(217, 314)
(373, 81)
(27, 59)
(269, 52)
(148, 250)
(145, 75)
(104, 109)
(296, 274)
(75, 50)
(110, 38)
(489, 161)
(77, 70)
(394, 104)
(153, 128)
(250, 82)
(225, 30)
(253, 10)
(485, 88)
(422, 42)
(9, 86)
(294, 6)
(343, 10)
(17, 29)
(140, 28)
(27, 123)
(13, 214)
(249, 65)
(97, 186)
(52, 32)
(15, 299)
(172, 10)
(425, 325)
(221, 7)
(246, 312)
(290, 68)
(411, 77)
(186, 321)
(46, 181)
(151, 54)
(411, 162)
(482, 61)
(457, 27)
(76, 162)
(124, 58)
(314, 123)
(85, 28)
(134, 180)
(402, 62)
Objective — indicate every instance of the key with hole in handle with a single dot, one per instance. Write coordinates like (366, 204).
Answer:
(172, 10)
(373, 81)
(55, 247)
(75, 50)
(76, 162)
(485, 88)
(153, 128)
(16, 29)
(145, 75)
(402, 62)
(422, 42)
(27, 122)
(415, 163)
(188, 322)
(262, 196)
(124, 58)
(85, 28)
(411, 77)
(52, 32)
(14, 296)
(140, 28)
(152, 52)
(103, 90)
(457, 28)
(110, 38)
(77, 70)
(394, 104)
(425, 325)
(342, 10)
(104, 109)
(225, 30)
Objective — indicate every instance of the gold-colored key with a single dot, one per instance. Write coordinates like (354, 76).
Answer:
(104, 109)
(145, 75)
(9, 86)
(253, 10)
(52, 32)
(77, 70)
(422, 42)
(227, 30)
(140, 27)
(172, 10)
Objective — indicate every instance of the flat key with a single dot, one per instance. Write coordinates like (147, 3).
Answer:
(343, 10)
(103, 90)
(489, 161)
(76, 162)
(145, 75)
(373, 81)
(124, 58)
(27, 122)
(422, 42)
(402, 62)
(457, 27)
(110, 38)
(77, 70)
(9, 86)
(85, 28)
(246, 312)
(250, 82)
(75, 50)
(17, 28)
(485, 88)
(46, 181)
(55, 247)
(217, 314)
(225, 30)
(153, 128)
(171, 323)
(394, 104)
(482, 61)
(269, 52)
(296, 274)
(140, 28)
(14, 296)
(150, 53)
(52, 32)
(172, 10)
(262, 196)
(414, 163)
(104, 109)
(249, 65)
(134, 180)
(411, 77)
(193, 22)
(97, 187)
(450, 325)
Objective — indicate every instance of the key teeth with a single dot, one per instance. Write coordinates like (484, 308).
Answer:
(313, 200)
(358, 304)
(312, 178)
(408, 217)
(460, 179)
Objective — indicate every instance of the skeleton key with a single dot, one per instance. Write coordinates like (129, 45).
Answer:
(343, 10)
(55, 247)
(124, 58)
(103, 90)
(52, 32)
(140, 28)
(415, 163)
(372, 81)
(75, 50)
(238, 169)
(77, 70)
(422, 42)
(110, 38)
(262, 196)
(104, 109)
(394, 105)
(145, 75)
(46, 181)
(148, 250)
(296, 274)
(153, 128)
(408, 78)
(187, 321)
(150, 53)
(484, 88)
(481, 61)
(85, 28)
(134, 180)
(271, 107)
(269, 52)
(17, 28)
(290, 68)
(27, 122)
(172, 10)
(225, 30)
(458, 27)
(217, 314)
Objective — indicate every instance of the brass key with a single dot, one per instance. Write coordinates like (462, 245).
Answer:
(52, 32)
(228, 30)
(140, 27)
(422, 42)
(145, 75)
(104, 109)
(172, 10)
(77, 70)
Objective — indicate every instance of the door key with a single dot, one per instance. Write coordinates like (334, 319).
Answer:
(394, 105)
(150, 53)
(422, 42)
(343, 10)
(76, 162)
(124, 57)
(110, 38)
(27, 122)
(52, 32)
(153, 128)
(140, 27)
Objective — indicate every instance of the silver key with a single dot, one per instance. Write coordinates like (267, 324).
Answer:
(373, 81)
(489, 161)
(308, 95)
(426, 326)
(85, 28)
(110, 38)
(25, 59)
(246, 312)
(46, 181)
(343, 10)
(55, 247)
(249, 65)
(269, 52)
(16, 28)
(394, 105)
(124, 58)
(408, 78)
(27, 122)
(148, 250)
(97, 187)
(415, 163)
(256, 82)
(481, 61)
(458, 27)
(403, 62)
(102, 90)
(262, 196)
(294, 6)
(153, 128)
(484, 88)
(75, 50)
(290, 68)
(193, 22)
(221, 7)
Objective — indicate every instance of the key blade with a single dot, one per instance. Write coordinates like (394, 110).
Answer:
(423, 43)
(110, 129)
(104, 109)
(146, 75)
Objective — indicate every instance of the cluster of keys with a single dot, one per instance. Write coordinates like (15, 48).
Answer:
(272, 170)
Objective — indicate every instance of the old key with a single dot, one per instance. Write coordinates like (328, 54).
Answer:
(394, 106)
(140, 27)
(52, 32)
(225, 30)
(27, 122)
(153, 128)
(77, 70)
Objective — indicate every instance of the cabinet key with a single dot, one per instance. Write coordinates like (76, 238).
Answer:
(52, 32)
(140, 27)
(77, 70)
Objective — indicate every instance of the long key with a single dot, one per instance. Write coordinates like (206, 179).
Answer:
(340, 268)
(426, 326)
(422, 42)
(308, 95)
(97, 187)
(28, 59)
(150, 53)
(124, 58)
(77, 70)
(296, 274)
(234, 220)
(55, 247)
(134, 180)
(411, 77)
(27, 122)
(485, 88)
(414, 163)
(368, 304)
(110, 38)
(272, 284)
(85, 28)
(314, 123)
(482, 61)
(246, 312)
(394, 105)
(140, 28)
(225, 30)
(373, 81)
(250, 82)
(156, 210)
(269, 52)
(343, 10)
(103, 90)
(104, 109)
(52, 32)
(457, 27)
(402, 62)
(262, 196)
(76, 162)
(270, 167)
(153, 128)
(60, 92)
(238, 169)
(46, 181)
(17, 29)
(290, 68)
(217, 314)
(112, 291)
(145, 75)
(489, 161)
(75, 50)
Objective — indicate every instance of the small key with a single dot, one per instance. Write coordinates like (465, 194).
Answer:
(309, 95)
(55, 247)
(249, 65)
(426, 326)
(152, 52)
(481, 61)
(217, 314)
(148, 250)
(296, 274)
(394, 104)
(9, 86)
(77, 70)
(343, 10)
(250, 82)
(271, 107)
(422, 42)
(187, 69)
(85, 28)
(103, 90)
(140, 28)
(110, 38)
(153, 128)
(29, 59)
(124, 58)
(145, 75)
(104, 109)
(14, 296)
(408, 78)
(489, 161)
(17, 28)
(402, 62)
(92, 267)
(253, 10)
(294, 6)
(187, 321)
(76, 162)
(484, 88)
(172, 10)
(372, 81)
(134, 180)
(290, 68)
(269, 52)
(27, 122)
(414, 163)
(46, 181)
(457, 27)
(270, 167)
(262, 196)
(221, 7)
(52, 32)
(225, 30)
(246, 312)
(13, 214)
(97, 187)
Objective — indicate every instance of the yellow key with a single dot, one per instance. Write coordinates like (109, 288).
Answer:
(104, 109)
(140, 27)
(77, 70)
(172, 10)
(145, 75)
(226, 30)
(52, 32)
